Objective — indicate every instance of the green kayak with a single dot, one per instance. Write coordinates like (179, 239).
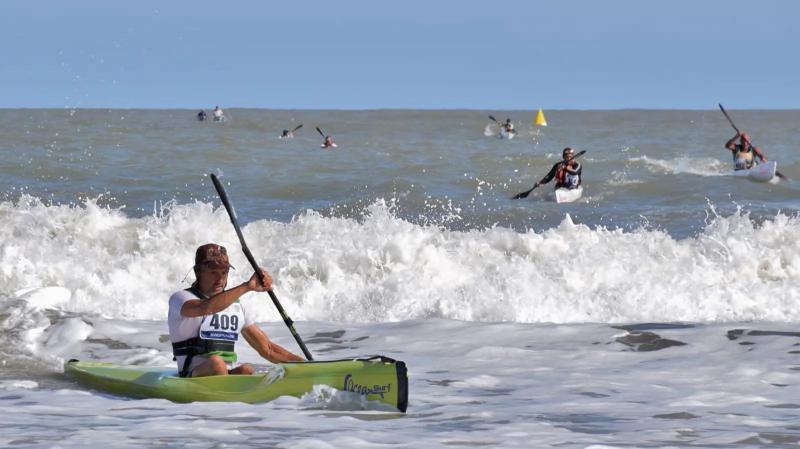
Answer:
(379, 378)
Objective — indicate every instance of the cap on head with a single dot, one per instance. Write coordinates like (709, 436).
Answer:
(211, 256)
(567, 150)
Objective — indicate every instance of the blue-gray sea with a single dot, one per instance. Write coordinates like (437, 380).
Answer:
(659, 310)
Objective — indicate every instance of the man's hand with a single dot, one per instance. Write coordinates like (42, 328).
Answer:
(255, 284)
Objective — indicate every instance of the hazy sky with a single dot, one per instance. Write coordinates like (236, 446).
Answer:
(558, 54)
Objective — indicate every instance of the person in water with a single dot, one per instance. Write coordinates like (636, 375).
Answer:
(567, 171)
(206, 320)
(508, 126)
(201, 115)
(744, 153)
(218, 114)
(328, 143)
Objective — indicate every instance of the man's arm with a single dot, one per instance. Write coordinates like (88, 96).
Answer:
(196, 307)
(550, 175)
(757, 152)
(273, 352)
(221, 301)
(730, 144)
(574, 168)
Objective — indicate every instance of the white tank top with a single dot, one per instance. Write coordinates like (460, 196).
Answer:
(224, 325)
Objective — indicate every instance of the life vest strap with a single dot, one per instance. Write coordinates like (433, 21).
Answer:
(198, 346)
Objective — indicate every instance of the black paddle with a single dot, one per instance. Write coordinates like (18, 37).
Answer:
(527, 192)
(777, 173)
(494, 119)
(297, 127)
(232, 214)
(320, 132)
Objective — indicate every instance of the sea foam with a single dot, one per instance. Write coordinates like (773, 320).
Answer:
(88, 259)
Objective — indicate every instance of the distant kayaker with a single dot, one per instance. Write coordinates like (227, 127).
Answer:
(567, 171)
(218, 114)
(328, 143)
(508, 126)
(744, 153)
(201, 115)
(289, 133)
(205, 320)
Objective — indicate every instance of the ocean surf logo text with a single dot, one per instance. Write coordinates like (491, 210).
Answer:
(351, 385)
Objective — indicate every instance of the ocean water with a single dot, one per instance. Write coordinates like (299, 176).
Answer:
(660, 310)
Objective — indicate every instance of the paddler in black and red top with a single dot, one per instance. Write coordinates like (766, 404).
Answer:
(205, 320)
(567, 171)
(744, 153)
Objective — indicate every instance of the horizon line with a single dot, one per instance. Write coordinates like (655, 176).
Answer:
(6, 108)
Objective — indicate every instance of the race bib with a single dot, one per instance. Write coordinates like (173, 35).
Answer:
(571, 181)
(224, 325)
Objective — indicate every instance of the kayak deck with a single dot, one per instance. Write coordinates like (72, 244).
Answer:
(562, 195)
(378, 378)
(759, 173)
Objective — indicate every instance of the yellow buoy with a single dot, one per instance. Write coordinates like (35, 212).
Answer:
(540, 120)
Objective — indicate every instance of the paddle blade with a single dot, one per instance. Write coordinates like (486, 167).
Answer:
(724, 112)
(493, 119)
(519, 196)
(524, 194)
(781, 175)
(297, 127)
(320, 132)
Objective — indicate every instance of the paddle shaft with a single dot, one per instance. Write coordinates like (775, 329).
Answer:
(232, 214)
(497, 121)
(320, 132)
(527, 192)
(777, 173)
(729, 118)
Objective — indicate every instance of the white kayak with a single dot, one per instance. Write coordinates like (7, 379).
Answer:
(507, 134)
(563, 195)
(760, 173)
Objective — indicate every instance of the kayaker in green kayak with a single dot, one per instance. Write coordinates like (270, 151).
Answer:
(205, 320)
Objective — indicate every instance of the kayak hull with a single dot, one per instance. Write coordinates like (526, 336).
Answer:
(378, 378)
(760, 173)
(563, 195)
(507, 135)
